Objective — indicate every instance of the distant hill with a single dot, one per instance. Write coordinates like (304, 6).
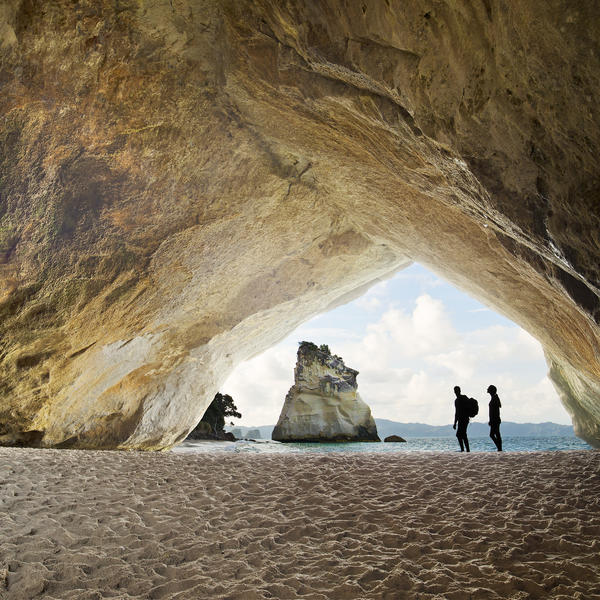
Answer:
(265, 431)
(385, 428)
(412, 430)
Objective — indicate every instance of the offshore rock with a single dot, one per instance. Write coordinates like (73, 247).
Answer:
(394, 438)
(324, 405)
(183, 182)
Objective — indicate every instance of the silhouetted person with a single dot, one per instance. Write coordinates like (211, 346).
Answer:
(494, 422)
(461, 416)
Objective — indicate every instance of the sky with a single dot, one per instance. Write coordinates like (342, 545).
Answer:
(412, 338)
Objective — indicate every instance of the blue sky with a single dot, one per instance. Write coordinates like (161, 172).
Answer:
(412, 338)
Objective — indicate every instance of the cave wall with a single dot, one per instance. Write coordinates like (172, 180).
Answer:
(183, 182)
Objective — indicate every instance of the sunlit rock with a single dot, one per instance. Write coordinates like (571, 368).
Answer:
(324, 405)
(184, 182)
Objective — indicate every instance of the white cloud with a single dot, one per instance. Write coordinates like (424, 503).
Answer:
(369, 303)
(398, 335)
(375, 299)
(259, 386)
(459, 362)
(425, 280)
(535, 403)
(315, 334)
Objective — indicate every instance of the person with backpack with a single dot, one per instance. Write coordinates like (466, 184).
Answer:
(464, 408)
(494, 421)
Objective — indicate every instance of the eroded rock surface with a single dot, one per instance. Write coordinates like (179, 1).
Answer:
(182, 182)
(324, 405)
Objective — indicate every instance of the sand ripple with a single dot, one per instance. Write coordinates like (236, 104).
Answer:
(91, 525)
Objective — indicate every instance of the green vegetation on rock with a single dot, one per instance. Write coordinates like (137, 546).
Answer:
(212, 424)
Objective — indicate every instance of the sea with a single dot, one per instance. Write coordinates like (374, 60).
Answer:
(424, 444)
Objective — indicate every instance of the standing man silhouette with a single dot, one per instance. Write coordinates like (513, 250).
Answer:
(461, 416)
(494, 421)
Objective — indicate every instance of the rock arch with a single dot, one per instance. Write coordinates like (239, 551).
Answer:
(184, 182)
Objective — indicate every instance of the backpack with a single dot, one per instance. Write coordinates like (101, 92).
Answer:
(473, 407)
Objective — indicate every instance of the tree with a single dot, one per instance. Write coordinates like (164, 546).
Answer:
(308, 346)
(222, 406)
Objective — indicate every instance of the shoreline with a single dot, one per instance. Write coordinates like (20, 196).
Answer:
(410, 444)
(83, 524)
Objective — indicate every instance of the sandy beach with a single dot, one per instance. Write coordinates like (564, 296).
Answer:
(90, 525)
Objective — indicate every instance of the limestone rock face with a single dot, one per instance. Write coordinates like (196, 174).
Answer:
(324, 405)
(182, 182)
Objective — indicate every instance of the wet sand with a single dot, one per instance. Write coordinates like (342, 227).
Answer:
(90, 525)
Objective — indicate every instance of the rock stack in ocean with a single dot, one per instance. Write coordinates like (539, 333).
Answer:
(323, 405)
